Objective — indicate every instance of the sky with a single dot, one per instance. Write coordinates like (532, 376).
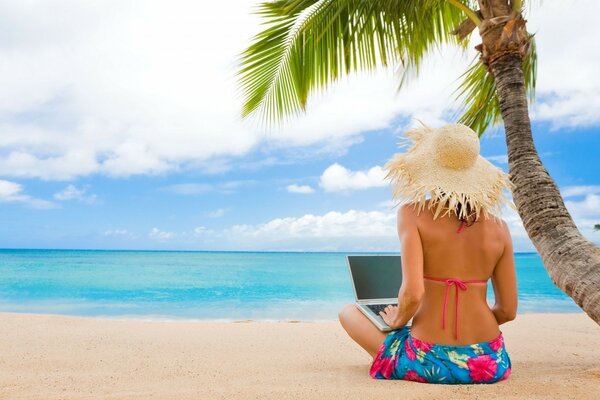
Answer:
(120, 128)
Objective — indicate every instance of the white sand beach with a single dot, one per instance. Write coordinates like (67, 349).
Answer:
(555, 356)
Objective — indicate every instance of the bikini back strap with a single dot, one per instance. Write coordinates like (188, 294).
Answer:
(459, 284)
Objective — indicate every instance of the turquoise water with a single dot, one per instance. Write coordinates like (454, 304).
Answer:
(207, 285)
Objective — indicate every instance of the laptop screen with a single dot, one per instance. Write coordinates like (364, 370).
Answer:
(375, 276)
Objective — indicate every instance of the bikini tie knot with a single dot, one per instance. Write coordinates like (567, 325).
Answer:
(459, 285)
(457, 282)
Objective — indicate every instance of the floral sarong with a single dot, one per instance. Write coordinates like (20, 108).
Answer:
(403, 357)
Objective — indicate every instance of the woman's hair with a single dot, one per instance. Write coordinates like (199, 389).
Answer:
(469, 216)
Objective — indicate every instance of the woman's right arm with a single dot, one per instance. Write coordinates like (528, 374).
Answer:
(504, 282)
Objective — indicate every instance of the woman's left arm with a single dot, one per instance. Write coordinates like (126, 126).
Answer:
(412, 288)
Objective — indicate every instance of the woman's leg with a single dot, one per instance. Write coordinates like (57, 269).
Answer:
(361, 330)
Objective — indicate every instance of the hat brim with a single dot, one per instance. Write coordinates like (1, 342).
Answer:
(479, 187)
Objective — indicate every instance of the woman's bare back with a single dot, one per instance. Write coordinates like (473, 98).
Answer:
(472, 254)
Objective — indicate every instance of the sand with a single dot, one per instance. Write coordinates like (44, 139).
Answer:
(555, 356)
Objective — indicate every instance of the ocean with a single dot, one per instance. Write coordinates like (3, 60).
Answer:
(208, 285)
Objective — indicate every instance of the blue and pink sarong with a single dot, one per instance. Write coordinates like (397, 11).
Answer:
(403, 357)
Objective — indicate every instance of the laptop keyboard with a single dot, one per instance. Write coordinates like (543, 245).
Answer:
(378, 307)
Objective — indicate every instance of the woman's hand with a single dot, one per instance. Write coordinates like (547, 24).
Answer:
(390, 316)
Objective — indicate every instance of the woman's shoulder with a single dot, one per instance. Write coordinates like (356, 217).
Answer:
(416, 211)
(412, 214)
(408, 209)
(424, 212)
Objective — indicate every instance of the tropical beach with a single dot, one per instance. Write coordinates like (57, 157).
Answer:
(184, 186)
(198, 325)
(555, 356)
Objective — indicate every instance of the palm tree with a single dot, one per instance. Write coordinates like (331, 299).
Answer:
(308, 44)
(597, 227)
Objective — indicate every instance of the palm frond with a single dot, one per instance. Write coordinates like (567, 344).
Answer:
(477, 92)
(309, 44)
(530, 70)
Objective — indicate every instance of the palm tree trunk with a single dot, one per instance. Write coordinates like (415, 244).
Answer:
(572, 261)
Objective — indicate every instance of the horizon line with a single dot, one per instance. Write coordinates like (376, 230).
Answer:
(214, 251)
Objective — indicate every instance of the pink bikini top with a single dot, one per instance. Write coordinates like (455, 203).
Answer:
(459, 285)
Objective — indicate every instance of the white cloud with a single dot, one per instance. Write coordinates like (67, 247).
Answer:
(357, 230)
(332, 224)
(303, 189)
(188, 188)
(9, 189)
(119, 233)
(353, 230)
(202, 230)
(586, 213)
(231, 186)
(117, 96)
(588, 207)
(521, 241)
(218, 213)
(500, 158)
(157, 234)
(389, 204)
(12, 192)
(193, 188)
(503, 158)
(71, 192)
(572, 191)
(338, 178)
(568, 90)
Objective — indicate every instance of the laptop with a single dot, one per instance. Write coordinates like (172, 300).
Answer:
(376, 280)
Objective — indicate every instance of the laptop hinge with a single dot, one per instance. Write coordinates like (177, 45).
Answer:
(389, 300)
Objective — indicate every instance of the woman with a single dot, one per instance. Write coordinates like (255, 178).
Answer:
(451, 245)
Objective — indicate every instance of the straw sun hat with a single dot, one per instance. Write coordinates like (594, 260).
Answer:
(445, 163)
